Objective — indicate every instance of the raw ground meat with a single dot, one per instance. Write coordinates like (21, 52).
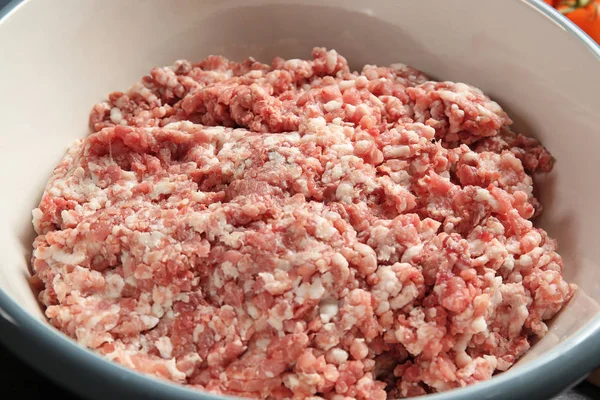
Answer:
(300, 231)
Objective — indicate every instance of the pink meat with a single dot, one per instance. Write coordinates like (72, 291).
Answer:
(300, 231)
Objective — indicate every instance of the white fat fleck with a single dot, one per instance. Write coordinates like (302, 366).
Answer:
(176, 374)
(274, 284)
(383, 306)
(331, 60)
(165, 347)
(479, 324)
(333, 105)
(276, 319)
(525, 261)
(315, 290)
(342, 149)
(477, 246)
(470, 156)
(362, 82)
(408, 294)
(254, 74)
(150, 239)
(291, 381)
(68, 217)
(324, 229)
(198, 221)
(410, 252)
(115, 115)
(337, 356)
(497, 228)
(344, 85)
(94, 204)
(37, 215)
(158, 310)
(327, 278)
(388, 281)
(272, 140)
(509, 262)
(263, 343)
(328, 309)
(484, 195)
(398, 151)
(293, 63)
(149, 321)
(345, 192)
(130, 177)
(234, 239)
(230, 270)
(114, 286)
(401, 178)
(162, 187)
(398, 66)
(63, 257)
(252, 311)
(199, 196)
(336, 172)
(314, 124)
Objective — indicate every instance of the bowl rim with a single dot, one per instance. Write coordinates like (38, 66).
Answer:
(553, 371)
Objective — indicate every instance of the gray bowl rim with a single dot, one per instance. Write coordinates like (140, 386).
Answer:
(552, 372)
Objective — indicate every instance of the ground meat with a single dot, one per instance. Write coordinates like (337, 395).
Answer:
(300, 231)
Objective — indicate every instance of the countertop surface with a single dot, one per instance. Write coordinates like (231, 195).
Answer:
(21, 381)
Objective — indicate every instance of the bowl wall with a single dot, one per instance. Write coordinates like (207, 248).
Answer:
(59, 58)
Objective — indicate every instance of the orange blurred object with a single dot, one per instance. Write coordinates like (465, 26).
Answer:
(584, 13)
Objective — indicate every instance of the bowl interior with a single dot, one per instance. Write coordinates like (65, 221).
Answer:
(59, 59)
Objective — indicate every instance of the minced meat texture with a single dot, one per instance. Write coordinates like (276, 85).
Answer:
(300, 231)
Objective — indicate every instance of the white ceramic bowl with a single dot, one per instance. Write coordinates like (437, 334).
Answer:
(59, 58)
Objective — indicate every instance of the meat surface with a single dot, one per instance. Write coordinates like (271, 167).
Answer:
(300, 231)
